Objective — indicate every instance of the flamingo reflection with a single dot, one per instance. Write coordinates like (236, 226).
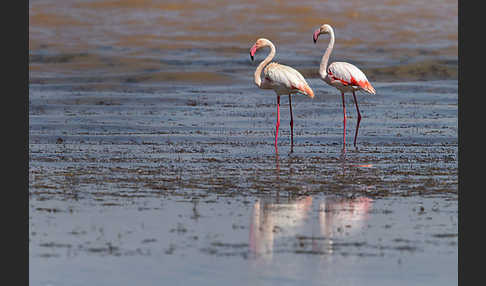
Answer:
(273, 219)
(341, 218)
(337, 218)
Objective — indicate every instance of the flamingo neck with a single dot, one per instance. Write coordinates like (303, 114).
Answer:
(258, 71)
(325, 57)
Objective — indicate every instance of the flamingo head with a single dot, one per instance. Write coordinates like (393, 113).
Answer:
(324, 29)
(258, 44)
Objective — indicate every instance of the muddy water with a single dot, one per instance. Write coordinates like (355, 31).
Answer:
(151, 156)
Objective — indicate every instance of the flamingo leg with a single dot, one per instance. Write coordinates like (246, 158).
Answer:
(278, 122)
(344, 122)
(291, 125)
(359, 119)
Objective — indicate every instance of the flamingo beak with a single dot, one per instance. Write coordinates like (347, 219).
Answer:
(316, 35)
(252, 52)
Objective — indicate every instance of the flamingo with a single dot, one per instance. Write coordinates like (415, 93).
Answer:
(343, 76)
(282, 79)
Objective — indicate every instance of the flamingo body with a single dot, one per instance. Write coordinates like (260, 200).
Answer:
(282, 79)
(347, 77)
(285, 80)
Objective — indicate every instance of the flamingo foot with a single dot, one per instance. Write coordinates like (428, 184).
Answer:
(343, 154)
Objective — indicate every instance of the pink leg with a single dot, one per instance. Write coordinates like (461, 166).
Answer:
(359, 119)
(278, 122)
(344, 121)
(291, 125)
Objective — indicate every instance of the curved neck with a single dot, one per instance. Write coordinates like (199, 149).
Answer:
(325, 57)
(258, 71)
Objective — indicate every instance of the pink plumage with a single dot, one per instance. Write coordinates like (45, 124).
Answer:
(349, 75)
(285, 80)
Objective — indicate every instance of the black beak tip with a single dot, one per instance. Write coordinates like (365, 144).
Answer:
(251, 57)
(314, 40)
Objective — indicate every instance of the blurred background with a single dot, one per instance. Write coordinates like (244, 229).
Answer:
(102, 44)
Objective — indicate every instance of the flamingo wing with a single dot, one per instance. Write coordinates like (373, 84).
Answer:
(349, 74)
(289, 78)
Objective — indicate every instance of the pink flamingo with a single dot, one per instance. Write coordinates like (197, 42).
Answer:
(282, 79)
(343, 76)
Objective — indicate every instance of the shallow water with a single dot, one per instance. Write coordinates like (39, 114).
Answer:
(310, 239)
(151, 153)
(188, 188)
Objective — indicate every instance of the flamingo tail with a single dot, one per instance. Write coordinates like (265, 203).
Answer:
(367, 86)
(306, 90)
